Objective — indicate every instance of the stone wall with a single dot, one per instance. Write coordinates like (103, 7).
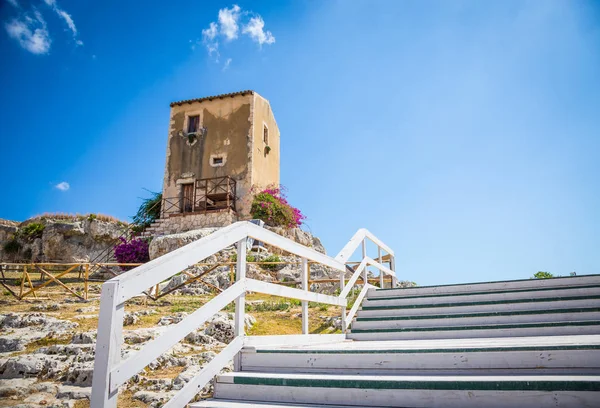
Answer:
(188, 222)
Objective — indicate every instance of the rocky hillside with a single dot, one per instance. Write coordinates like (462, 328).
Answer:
(58, 238)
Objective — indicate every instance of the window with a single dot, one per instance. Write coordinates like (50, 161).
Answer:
(193, 123)
(265, 134)
(217, 161)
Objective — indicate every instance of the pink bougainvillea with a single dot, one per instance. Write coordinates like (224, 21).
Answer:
(271, 206)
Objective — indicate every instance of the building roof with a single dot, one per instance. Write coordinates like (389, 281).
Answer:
(210, 98)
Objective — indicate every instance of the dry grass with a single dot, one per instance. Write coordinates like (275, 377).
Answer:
(75, 217)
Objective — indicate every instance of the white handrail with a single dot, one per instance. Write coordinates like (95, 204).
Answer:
(110, 372)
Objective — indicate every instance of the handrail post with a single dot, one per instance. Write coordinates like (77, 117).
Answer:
(364, 255)
(304, 273)
(393, 268)
(108, 346)
(240, 302)
(342, 278)
(380, 260)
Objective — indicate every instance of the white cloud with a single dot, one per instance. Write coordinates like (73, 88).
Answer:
(67, 19)
(13, 3)
(211, 32)
(228, 28)
(63, 186)
(255, 29)
(228, 19)
(31, 33)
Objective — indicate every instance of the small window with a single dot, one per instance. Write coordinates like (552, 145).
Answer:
(193, 122)
(216, 161)
(266, 134)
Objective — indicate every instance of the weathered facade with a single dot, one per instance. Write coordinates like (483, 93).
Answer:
(218, 148)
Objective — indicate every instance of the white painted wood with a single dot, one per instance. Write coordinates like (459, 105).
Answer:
(481, 333)
(486, 297)
(472, 321)
(411, 398)
(108, 346)
(348, 287)
(290, 246)
(304, 275)
(254, 285)
(504, 307)
(151, 273)
(193, 387)
(240, 301)
(380, 259)
(393, 268)
(491, 286)
(364, 255)
(535, 341)
(215, 403)
(385, 362)
(156, 347)
(293, 340)
(359, 299)
(342, 289)
(362, 269)
(344, 255)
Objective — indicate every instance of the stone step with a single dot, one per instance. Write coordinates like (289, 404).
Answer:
(582, 280)
(480, 331)
(216, 403)
(549, 293)
(469, 319)
(465, 306)
(411, 391)
(536, 355)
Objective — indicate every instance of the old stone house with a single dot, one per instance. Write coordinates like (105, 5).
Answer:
(218, 147)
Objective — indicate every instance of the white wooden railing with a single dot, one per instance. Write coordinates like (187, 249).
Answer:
(111, 372)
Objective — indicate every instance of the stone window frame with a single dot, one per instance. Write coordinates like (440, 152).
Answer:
(265, 139)
(216, 156)
(186, 120)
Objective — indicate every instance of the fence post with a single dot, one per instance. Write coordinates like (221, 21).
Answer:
(304, 274)
(108, 346)
(342, 282)
(86, 277)
(240, 302)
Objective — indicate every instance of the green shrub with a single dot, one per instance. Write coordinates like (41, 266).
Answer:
(271, 258)
(249, 258)
(33, 230)
(12, 247)
(542, 275)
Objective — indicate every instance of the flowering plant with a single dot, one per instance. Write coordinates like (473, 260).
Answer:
(271, 206)
(134, 251)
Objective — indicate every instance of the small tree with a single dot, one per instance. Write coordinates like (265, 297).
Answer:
(542, 275)
(148, 212)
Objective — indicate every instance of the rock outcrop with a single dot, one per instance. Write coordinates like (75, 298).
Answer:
(69, 239)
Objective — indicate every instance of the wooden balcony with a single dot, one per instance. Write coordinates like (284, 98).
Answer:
(206, 195)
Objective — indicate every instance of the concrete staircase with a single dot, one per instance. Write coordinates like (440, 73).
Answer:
(530, 343)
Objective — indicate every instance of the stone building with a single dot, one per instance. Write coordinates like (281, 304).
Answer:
(218, 147)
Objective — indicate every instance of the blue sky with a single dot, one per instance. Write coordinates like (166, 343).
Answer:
(463, 133)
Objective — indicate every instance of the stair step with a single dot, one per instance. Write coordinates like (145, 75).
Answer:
(412, 391)
(569, 281)
(553, 354)
(491, 330)
(589, 290)
(482, 306)
(218, 403)
(466, 319)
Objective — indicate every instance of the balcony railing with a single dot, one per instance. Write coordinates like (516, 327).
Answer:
(211, 194)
